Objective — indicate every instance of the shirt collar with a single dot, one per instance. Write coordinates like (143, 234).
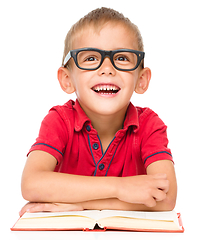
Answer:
(80, 117)
(131, 118)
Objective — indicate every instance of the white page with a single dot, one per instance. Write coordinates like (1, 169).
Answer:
(166, 216)
(96, 214)
(87, 213)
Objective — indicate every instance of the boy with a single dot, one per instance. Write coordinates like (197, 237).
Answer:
(101, 152)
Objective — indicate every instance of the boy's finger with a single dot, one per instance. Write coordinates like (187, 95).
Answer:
(40, 207)
(49, 207)
(159, 195)
(163, 185)
(151, 202)
(26, 208)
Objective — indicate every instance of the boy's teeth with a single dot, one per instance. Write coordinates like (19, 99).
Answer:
(109, 89)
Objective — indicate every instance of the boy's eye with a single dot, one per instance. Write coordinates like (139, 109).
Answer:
(91, 59)
(121, 58)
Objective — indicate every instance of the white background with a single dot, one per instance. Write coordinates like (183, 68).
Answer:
(31, 47)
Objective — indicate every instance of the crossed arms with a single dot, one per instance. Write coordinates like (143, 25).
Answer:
(47, 190)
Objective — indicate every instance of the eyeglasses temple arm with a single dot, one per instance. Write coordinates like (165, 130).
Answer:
(67, 58)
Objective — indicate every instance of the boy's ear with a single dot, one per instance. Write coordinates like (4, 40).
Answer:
(143, 81)
(65, 82)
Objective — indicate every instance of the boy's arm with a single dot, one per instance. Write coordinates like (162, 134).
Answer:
(167, 167)
(41, 184)
(163, 166)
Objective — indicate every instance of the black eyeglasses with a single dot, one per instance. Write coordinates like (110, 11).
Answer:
(92, 58)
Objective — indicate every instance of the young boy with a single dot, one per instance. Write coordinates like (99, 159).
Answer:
(101, 152)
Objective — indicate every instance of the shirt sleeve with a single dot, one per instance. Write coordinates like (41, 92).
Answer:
(154, 141)
(52, 136)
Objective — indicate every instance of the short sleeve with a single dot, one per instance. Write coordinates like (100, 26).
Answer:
(154, 141)
(52, 136)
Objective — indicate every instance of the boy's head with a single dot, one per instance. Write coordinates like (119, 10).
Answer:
(96, 20)
(103, 62)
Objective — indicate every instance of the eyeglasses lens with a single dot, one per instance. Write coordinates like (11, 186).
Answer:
(89, 59)
(125, 60)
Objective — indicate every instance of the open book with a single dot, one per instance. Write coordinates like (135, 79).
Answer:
(105, 219)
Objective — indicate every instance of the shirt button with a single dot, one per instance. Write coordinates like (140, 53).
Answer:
(88, 128)
(101, 166)
(95, 146)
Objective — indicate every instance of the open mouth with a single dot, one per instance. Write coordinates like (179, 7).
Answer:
(106, 89)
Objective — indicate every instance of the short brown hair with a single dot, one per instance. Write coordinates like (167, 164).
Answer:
(97, 19)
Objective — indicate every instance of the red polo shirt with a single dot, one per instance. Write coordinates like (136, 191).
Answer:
(67, 134)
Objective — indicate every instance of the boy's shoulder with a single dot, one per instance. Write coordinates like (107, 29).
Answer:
(67, 109)
(149, 120)
(62, 111)
(138, 116)
(68, 105)
(145, 113)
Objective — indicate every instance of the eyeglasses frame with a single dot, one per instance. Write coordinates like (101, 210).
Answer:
(104, 54)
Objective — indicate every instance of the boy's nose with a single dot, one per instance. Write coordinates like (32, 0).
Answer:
(107, 68)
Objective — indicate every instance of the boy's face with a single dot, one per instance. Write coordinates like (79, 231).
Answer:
(92, 87)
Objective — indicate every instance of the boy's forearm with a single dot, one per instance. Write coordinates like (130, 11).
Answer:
(116, 204)
(41, 184)
(59, 187)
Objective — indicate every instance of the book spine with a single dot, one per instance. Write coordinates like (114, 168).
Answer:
(95, 230)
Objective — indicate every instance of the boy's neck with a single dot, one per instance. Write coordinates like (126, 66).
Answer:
(107, 126)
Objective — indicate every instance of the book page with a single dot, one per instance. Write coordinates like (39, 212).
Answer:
(164, 216)
(86, 213)
(97, 214)
(139, 220)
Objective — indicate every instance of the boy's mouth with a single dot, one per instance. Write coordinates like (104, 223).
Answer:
(106, 89)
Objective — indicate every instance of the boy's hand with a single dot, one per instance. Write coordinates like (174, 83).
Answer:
(50, 207)
(143, 189)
